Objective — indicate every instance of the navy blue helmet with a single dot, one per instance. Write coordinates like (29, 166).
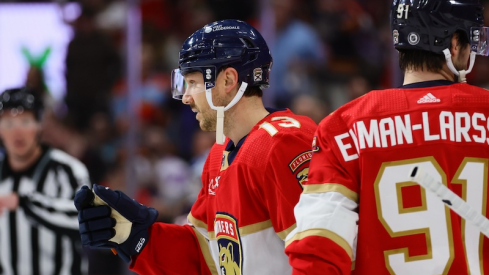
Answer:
(20, 100)
(429, 24)
(227, 43)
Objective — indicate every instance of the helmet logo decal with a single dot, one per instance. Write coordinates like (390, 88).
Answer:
(209, 85)
(223, 28)
(413, 38)
(257, 74)
(395, 37)
(208, 75)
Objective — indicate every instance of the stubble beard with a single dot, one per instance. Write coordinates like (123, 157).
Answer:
(209, 116)
(208, 121)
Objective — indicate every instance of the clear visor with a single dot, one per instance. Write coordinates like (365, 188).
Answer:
(178, 85)
(479, 40)
(194, 84)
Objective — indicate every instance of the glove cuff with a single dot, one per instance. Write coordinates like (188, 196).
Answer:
(139, 237)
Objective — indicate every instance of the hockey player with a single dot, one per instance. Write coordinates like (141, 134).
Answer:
(360, 212)
(38, 223)
(250, 183)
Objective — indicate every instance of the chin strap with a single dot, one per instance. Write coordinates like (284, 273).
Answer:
(220, 110)
(461, 74)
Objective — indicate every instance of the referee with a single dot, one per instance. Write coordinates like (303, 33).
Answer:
(38, 221)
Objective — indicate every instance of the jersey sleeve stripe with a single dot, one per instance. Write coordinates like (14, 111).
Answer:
(253, 228)
(330, 187)
(204, 248)
(327, 212)
(196, 222)
(325, 234)
(283, 234)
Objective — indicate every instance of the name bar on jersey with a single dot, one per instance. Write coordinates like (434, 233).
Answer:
(299, 160)
(224, 226)
(401, 129)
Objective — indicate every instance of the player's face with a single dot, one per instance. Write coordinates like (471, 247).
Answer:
(195, 97)
(19, 133)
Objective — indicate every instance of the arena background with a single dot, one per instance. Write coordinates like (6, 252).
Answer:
(104, 68)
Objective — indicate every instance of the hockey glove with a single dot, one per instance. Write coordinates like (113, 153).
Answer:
(110, 219)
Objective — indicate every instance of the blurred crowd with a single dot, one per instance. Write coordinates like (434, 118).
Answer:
(326, 53)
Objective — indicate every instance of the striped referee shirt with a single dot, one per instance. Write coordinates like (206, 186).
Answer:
(41, 235)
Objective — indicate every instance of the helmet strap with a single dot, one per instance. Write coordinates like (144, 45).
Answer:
(220, 110)
(461, 74)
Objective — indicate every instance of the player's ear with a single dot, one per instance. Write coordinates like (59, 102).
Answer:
(230, 79)
(455, 47)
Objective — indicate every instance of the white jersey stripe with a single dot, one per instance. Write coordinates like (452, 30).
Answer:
(331, 211)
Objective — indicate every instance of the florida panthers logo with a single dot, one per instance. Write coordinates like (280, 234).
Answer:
(228, 239)
(300, 164)
(302, 175)
(226, 260)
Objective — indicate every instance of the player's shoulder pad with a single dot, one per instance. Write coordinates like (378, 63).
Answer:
(286, 122)
(283, 130)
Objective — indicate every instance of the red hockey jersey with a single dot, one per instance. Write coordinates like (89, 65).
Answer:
(245, 208)
(360, 170)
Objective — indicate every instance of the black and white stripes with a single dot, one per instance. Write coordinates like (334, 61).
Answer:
(41, 236)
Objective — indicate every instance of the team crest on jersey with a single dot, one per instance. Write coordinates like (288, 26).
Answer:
(297, 165)
(315, 147)
(302, 175)
(213, 184)
(299, 160)
(229, 242)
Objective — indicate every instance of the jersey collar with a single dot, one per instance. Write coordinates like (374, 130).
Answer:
(427, 84)
(233, 149)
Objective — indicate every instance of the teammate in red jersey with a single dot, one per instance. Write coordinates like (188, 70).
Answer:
(360, 212)
(251, 182)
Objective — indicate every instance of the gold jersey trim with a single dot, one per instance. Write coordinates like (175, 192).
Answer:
(243, 231)
(253, 228)
(325, 234)
(283, 234)
(204, 247)
(331, 187)
(196, 222)
(249, 229)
